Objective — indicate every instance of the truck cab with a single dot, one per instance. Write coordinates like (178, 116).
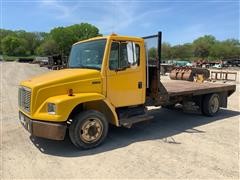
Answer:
(109, 80)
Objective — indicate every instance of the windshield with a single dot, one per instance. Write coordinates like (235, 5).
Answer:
(87, 54)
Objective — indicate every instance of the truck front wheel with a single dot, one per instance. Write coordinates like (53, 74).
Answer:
(88, 129)
(211, 104)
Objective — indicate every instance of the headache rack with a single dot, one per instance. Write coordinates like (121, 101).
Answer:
(156, 93)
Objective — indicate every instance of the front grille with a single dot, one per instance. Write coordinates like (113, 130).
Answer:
(24, 98)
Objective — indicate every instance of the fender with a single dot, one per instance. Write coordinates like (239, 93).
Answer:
(65, 104)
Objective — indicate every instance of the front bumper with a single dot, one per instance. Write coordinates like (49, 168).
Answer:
(48, 130)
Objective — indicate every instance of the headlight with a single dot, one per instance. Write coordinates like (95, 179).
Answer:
(51, 108)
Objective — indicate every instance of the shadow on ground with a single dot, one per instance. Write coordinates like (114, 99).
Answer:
(166, 124)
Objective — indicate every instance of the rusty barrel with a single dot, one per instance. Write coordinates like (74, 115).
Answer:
(188, 75)
(173, 74)
(180, 73)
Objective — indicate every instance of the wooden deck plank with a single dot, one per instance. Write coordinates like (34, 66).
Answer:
(178, 87)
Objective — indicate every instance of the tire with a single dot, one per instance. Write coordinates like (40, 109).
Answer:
(210, 104)
(88, 129)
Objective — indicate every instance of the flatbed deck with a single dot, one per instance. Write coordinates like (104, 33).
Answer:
(179, 88)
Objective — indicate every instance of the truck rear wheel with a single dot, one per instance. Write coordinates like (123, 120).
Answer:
(211, 104)
(88, 129)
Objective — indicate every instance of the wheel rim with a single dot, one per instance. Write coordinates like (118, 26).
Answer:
(91, 130)
(214, 104)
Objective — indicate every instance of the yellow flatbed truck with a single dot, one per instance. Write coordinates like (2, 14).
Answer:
(109, 80)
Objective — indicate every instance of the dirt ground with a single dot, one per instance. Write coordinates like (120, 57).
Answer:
(172, 145)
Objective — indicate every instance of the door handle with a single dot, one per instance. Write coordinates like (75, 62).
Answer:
(139, 85)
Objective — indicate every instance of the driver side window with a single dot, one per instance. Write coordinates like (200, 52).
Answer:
(124, 55)
(114, 56)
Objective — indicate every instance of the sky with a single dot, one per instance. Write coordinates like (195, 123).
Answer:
(181, 21)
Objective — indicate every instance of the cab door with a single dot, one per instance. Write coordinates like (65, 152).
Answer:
(125, 75)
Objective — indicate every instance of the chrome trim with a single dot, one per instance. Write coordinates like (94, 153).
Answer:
(24, 98)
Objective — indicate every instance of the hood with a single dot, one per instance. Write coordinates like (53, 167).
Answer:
(59, 82)
(61, 76)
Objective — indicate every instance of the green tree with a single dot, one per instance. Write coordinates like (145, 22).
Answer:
(60, 40)
(14, 46)
(233, 46)
(66, 36)
(48, 47)
(166, 51)
(84, 31)
(225, 49)
(3, 34)
(202, 46)
(152, 53)
(182, 51)
(33, 40)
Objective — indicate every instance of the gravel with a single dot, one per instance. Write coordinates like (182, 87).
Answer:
(172, 145)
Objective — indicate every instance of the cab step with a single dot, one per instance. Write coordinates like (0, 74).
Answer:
(128, 122)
